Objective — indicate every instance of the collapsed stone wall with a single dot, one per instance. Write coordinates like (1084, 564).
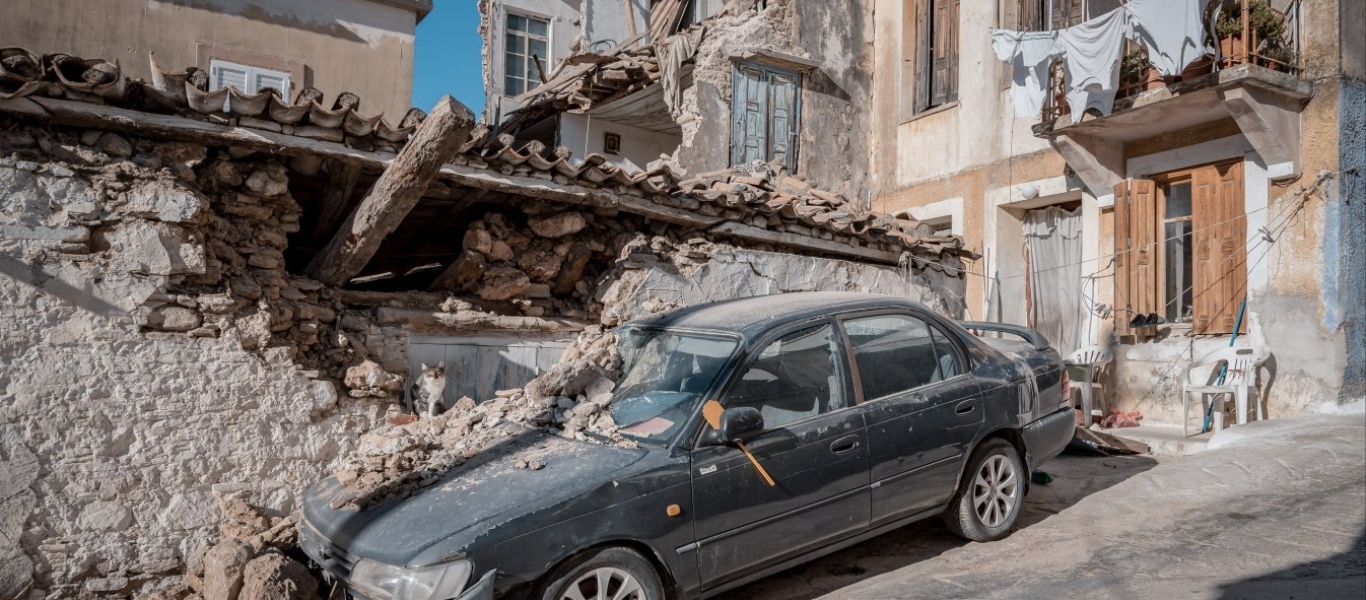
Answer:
(161, 365)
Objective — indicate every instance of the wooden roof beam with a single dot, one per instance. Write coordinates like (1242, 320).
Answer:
(395, 193)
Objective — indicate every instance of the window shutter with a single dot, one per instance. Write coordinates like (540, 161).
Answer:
(230, 77)
(1136, 247)
(1029, 17)
(951, 31)
(1067, 13)
(922, 55)
(783, 93)
(940, 32)
(1220, 254)
(750, 120)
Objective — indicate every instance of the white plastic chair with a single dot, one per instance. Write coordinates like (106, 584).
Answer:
(1239, 366)
(1086, 362)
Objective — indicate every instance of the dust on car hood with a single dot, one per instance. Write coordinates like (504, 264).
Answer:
(490, 491)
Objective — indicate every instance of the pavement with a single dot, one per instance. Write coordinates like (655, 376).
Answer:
(1273, 509)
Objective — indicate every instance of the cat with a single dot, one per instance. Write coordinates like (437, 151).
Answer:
(427, 390)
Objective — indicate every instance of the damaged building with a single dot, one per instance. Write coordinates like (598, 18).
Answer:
(705, 84)
(210, 295)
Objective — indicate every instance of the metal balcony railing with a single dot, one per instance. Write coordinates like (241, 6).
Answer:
(1266, 33)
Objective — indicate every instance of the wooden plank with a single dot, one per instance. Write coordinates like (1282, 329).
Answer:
(793, 240)
(396, 192)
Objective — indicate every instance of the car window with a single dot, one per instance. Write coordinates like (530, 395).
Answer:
(664, 375)
(794, 377)
(895, 353)
(951, 362)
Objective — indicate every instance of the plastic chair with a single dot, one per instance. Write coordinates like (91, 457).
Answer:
(1082, 366)
(1239, 367)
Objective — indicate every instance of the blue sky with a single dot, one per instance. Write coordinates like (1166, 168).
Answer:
(448, 59)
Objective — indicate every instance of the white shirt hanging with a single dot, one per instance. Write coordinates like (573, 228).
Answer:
(1172, 30)
(1092, 51)
(1030, 54)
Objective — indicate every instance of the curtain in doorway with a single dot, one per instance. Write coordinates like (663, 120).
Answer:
(1053, 240)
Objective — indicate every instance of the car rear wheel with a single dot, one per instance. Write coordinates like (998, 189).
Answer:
(988, 500)
(607, 574)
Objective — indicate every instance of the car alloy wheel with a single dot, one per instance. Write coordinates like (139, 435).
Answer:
(989, 497)
(614, 573)
(605, 583)
(994, 489)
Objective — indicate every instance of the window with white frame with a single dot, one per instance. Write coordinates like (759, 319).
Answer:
(526, 54)
(247, 79)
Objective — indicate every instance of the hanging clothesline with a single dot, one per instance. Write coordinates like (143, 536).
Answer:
(1171, 30)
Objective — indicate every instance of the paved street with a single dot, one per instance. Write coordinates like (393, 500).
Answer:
(1273, 510)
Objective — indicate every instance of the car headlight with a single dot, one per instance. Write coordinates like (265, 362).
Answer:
(388, 582)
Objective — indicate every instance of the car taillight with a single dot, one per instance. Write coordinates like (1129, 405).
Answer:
(1066, 389)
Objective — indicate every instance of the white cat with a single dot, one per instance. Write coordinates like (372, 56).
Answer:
(427, 390)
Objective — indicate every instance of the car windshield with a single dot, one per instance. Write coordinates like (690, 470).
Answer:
(664, 374)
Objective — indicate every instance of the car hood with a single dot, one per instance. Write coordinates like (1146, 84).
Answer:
(488, 492)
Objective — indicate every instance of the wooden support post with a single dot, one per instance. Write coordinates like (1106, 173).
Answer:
(631, 17)
(341, 185)
(396, 192)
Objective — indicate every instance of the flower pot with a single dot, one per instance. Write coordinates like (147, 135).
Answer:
(1153, 80)
(1231, 48)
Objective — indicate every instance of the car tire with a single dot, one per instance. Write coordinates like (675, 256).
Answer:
(616, 568)
(989, 498)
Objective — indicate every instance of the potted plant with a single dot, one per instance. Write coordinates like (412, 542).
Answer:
(1266, 25)
(1136, 73)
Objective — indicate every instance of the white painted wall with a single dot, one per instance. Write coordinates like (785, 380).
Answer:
(639, 147)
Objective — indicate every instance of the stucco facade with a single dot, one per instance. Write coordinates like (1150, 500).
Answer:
(361, 46)
(976, 163)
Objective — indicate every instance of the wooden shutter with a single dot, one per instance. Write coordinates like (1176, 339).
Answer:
(1136, 247)
(951, 32)
(941, 59)
(1030, 16)
(1219, 225)
(784, 90)
(1067, 13)
(750, 119)
(923, 58)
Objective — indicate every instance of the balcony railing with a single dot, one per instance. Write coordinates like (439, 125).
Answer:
(1239, 32)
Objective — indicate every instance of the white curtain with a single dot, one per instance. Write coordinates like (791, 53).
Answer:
(1053, 239)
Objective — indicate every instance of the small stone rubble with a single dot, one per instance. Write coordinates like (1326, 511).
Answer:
(252, 561)
(407, 454)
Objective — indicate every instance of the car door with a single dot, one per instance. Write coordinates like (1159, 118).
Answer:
(814, 446)
(921, 405)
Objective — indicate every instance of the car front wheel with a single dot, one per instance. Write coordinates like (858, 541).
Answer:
(607, 574)
(991, 494)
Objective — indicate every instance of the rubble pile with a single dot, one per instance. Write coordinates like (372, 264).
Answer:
(251, 562)
(407, 453)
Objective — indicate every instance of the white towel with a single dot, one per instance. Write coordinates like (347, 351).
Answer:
(1092, 51)
(1172, 30)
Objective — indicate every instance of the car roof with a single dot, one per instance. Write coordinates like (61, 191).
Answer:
(752, 317)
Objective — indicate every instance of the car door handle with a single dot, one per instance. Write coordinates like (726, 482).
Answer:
(843, 445)
(966, 407)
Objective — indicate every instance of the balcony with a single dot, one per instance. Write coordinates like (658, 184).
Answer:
(1250, 77)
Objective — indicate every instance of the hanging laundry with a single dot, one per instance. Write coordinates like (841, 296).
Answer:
(1092, 51)
(1030, 53)
(1172, 30)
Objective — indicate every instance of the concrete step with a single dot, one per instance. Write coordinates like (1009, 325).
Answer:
(1164, 440)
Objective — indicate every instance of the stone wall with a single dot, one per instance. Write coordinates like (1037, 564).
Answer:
(158, 361)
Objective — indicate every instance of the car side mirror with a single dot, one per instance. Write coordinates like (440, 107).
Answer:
(739, 423)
